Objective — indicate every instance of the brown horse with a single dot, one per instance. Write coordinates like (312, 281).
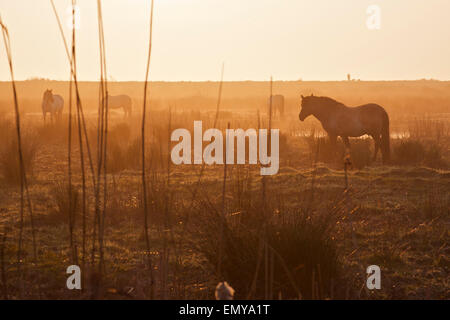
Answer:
(340, 120)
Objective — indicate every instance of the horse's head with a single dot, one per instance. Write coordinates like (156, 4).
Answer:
(307, 107)
(48, 97)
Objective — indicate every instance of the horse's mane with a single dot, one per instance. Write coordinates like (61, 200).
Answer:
(326, 104)
(329, 101)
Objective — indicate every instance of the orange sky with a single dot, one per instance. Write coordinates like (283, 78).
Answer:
(289, 39)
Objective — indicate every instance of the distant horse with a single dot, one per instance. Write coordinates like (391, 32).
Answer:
(340, 120)
(121, 101)
(53, 104)
(277, 104)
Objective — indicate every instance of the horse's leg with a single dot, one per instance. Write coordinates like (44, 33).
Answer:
(377, 140)
(346, 142)
(347, 155)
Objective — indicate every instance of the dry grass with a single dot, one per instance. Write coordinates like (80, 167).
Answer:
(361, 151)
(416, 152)
(185, 263)
(67, 208)
(9, 159)
(301, 248)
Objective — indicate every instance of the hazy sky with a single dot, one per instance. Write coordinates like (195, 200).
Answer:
(289, 39)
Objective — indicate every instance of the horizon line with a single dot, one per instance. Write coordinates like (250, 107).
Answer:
(225, 81)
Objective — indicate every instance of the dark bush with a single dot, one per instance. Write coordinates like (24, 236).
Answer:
(301, 251)
(9, 157)
(409, 152)
(360, 151)
(416, 152)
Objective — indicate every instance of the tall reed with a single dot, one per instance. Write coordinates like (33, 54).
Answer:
(103, 131)
(143, 175)
(23, 180)
(71, 56)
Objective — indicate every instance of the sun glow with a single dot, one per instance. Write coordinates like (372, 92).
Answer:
(255, 38)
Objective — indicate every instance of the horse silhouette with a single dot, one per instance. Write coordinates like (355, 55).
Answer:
(121, 101)
(277, 104)
(340, 120)
(53, 104)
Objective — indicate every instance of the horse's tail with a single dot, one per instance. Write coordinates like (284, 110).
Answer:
(385, 138)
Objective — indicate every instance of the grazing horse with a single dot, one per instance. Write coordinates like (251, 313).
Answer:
(121, 101)
(340, 120)
(53, 104)
(277, 104)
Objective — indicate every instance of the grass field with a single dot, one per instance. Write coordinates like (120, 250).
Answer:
(298, 234)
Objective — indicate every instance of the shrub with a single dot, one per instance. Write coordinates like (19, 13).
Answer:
(434, 156)
(303, 256)
(9, 157)
(320, 148)
(360, 151)
(415, 152)
(409, 152)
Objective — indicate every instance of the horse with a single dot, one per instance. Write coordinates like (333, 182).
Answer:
(339, 120)
(121, 101)
(53, 104)
(277, 104)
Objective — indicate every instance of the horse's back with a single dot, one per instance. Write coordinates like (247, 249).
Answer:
(371, 109)
(122, 97)
(58, 102)
(370, 117)
(59, 99)
(369, 106)
(121, 100)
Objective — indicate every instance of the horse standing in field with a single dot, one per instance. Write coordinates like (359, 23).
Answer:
(121, 101)
(277, 104)
(340, 120)
(52, 103)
